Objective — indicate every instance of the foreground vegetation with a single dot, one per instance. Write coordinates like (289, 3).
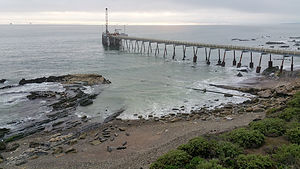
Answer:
(266, 144)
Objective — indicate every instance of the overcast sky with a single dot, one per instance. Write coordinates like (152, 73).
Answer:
(150, 11)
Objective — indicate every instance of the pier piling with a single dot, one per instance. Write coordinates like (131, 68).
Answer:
(223, 63)
(165, 51)
(281, 67)
(251, 65)
(292, 65)
(240, 62)
(184, 52)
(174, 51)
(219, 61)
(208, 59)
(258, 69)
(270, 64)
(195, 49)
(234, 60)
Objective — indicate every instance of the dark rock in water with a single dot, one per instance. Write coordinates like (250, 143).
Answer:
(239, 74)
(295, 37)
(241, 40)
(2, 145)
(228, 95)
(243, 70)
(41, 94)
(269, 71)
(3, 131)
(86, 102)
(275, 43)
(2, 80)
(89, 79)
(114, 116)
(12, 147)
(284, 46)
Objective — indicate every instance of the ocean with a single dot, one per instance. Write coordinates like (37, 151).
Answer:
(141, 84)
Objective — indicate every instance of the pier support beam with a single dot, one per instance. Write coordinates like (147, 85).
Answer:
(149, 48)
(132, 47)
(174, 51)
(292, 64)
(165, 51)
(223, 63)
(208, 59)
(234, 60)
(270, 64)
(251, 65)
(219, 61)
(205, 54)
(184, 51)
(157, 49)
(258, 69)
(195, 54)
(240, 62)
(282, 63)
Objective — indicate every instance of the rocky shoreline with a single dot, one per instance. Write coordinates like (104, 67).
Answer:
(64, 136)
(62, 105)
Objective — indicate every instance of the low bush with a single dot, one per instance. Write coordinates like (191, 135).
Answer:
(246, 138)
(295, 102)
(201, 147)
(270, 127)
(194, 162)
(172, 160)
(290, 113)
(254, 162)
(227, 151)
(212, 164)
(288, 155)
(272, 111)
(294, 135)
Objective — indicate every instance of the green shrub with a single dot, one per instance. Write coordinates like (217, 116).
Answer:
(288, 155)
(227, 151)
(269, 127)
(246, 138)
(295, 102)
(212, 164)
(200, 146)
(194, 162)
(294, 135)
(290, 113)
(254, 162)
(272, 111)
(172, 160)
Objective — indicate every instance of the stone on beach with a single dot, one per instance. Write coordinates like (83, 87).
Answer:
(2, 80)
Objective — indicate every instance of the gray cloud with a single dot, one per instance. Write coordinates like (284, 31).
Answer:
(286, 10)
(257, 6)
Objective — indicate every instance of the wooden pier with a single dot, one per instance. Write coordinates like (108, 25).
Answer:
(136, 44)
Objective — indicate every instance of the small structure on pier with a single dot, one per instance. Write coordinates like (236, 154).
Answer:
(108, 39)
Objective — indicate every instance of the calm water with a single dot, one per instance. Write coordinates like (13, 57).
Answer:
(143, 84)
